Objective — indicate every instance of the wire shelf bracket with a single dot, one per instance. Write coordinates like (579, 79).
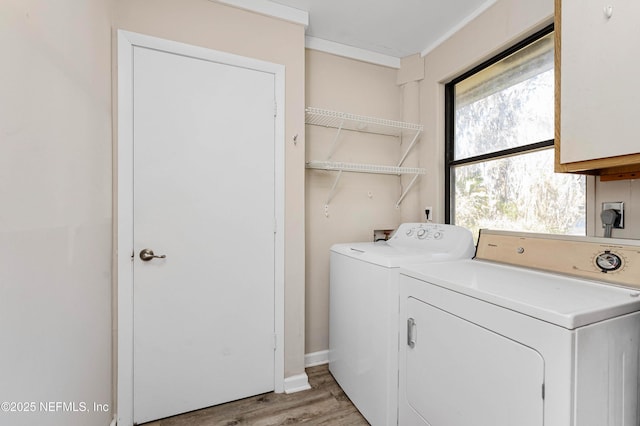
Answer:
(406, 191)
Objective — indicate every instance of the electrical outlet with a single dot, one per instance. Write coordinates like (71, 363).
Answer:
(619, 207)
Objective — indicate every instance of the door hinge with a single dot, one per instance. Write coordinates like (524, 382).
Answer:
(275, 341)
(543, 391)
(275, 108)
(275, 225)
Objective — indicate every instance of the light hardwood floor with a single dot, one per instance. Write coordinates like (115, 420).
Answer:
(324, 404)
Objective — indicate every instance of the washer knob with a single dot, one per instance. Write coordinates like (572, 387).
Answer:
(437, 235)
(422, 233)
(409, 232)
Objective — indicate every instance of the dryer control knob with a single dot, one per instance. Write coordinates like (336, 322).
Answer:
(608, 262)
(409, 232)
(437, 235)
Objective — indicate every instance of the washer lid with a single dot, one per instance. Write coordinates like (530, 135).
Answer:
(567, 302)
(414, 243)
(383, 254)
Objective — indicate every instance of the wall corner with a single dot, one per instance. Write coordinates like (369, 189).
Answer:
(411, 69)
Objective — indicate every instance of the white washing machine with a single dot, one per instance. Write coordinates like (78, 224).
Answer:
(363, 313)
(493, 342)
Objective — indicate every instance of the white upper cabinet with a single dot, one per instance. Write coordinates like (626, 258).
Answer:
(597, 102)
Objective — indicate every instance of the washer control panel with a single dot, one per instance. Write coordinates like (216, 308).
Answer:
(435, 238)
(422, 231)
(615, 261)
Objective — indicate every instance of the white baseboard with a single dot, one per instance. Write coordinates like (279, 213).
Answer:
(316, 358)
(297, 383)
(300, 382)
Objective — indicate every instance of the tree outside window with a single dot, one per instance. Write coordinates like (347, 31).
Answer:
(500, 156)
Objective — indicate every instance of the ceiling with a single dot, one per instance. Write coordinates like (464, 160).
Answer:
(396, 28)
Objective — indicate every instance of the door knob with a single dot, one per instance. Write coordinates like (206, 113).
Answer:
(147, 255)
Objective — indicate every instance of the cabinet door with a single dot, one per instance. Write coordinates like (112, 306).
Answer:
(599, 80)
(460, 374)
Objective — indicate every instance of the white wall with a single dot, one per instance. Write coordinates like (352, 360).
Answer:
(55, 219)
(356, 87)
(56, 188)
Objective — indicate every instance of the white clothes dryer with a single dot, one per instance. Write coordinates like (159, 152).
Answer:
(491, 344)
(363, 312)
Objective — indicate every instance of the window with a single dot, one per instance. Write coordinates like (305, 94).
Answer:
(499, 147)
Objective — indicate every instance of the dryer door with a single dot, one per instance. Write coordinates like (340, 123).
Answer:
(460, 374)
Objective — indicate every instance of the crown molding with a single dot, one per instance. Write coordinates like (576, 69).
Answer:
(351, 52)
(272, 9)
(486, 5)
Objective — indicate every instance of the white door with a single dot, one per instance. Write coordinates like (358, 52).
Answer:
(460, 374)
(203, 196)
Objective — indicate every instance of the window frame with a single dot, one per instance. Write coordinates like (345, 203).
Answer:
(449, 124)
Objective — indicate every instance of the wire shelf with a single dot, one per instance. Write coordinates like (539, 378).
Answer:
(364, 168)
(360, 123)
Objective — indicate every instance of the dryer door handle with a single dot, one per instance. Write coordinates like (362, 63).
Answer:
(411, 336)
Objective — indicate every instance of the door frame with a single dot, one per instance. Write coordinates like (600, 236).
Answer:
(123, 188)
